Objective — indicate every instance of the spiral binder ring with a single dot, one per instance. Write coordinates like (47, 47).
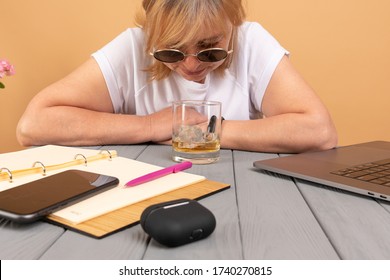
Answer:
(107, 151)
(85, 159)
(42, 165)
(8, 171)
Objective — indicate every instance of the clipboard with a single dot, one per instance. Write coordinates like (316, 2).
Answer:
(58, 159)
(128, 207)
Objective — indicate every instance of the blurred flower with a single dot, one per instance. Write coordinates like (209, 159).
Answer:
(6, 69)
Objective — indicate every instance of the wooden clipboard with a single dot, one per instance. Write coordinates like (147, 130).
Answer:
(128, 216)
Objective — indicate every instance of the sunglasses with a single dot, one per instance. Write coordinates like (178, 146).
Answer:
(207, 55)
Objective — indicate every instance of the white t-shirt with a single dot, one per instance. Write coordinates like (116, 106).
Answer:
(240, 90)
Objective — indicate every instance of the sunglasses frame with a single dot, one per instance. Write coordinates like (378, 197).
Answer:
(195, 55)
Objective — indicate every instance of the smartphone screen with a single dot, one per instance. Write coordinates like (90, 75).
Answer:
(34, 200)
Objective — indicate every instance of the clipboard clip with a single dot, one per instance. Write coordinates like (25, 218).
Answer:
(8, 172)
(42, 165)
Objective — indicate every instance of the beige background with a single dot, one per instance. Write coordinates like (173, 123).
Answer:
(340, 47)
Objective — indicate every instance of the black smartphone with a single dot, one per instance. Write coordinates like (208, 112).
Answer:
(34, 200)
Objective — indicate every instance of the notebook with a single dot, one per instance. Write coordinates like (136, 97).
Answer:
(360, 168)
(21, 167)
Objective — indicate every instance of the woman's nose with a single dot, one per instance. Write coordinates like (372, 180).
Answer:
(191, 62)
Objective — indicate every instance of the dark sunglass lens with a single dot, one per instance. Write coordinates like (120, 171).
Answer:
(212, 55)
(168, 56)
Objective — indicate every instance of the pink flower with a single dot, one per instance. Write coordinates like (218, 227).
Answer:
(6, 69)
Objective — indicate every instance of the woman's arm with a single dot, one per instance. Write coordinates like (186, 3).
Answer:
(77, 110)
(295, 118)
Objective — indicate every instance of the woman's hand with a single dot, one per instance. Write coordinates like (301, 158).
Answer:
(161, 122)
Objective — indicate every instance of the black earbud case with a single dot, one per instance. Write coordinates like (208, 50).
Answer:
(177, 222)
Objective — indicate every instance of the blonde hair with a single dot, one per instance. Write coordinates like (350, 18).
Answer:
(175, 23)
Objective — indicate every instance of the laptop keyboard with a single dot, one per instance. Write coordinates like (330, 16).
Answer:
(377, 172)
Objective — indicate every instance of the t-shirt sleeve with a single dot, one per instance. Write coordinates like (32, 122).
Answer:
(119, 62)
(262, 54)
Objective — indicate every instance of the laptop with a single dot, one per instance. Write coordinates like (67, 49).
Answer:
(360, 168)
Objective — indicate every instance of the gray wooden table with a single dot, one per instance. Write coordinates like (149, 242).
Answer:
(262, 216)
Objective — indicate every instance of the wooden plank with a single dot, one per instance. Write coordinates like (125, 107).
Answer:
(129, 244)
(225, 241)
(358, 226)
(26, 241)
(276, 222)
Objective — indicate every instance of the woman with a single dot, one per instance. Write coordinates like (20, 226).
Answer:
(199, 49)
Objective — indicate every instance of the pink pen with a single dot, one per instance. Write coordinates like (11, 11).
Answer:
(159, 173)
